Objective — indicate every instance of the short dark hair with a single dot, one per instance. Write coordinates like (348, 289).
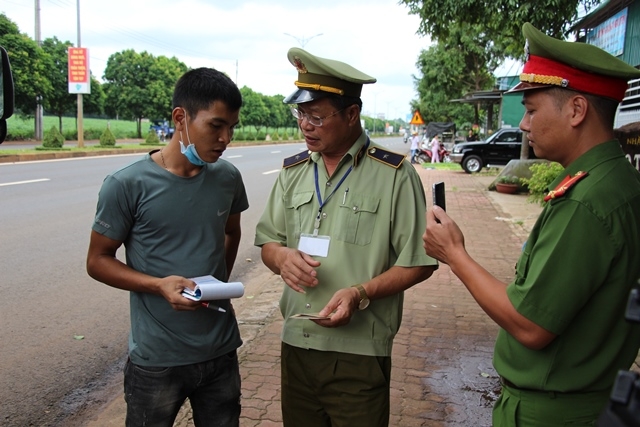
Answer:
(341, 102)
(605, 108)
(198, 88)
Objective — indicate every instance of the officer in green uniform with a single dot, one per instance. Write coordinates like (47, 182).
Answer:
(563, 336)
(342, 227)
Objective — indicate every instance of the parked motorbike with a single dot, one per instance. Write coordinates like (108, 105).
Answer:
(423, 155)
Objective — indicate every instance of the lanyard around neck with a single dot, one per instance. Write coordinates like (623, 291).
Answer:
(321, 202)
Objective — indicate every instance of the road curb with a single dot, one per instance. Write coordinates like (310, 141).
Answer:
(15, 158)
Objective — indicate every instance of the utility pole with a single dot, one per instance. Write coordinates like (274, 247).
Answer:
(39, 111)
(80, 125)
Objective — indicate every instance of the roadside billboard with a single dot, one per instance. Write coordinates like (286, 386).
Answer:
(79, 73)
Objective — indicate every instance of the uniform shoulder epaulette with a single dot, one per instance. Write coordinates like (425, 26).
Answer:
(385, 156)
(296, 159)
(565, 184)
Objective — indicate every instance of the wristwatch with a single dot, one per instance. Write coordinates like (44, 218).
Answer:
(364, 299)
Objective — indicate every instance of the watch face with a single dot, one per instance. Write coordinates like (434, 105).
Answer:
(364, 303)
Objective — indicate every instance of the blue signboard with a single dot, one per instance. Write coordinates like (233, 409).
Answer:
(609, 35)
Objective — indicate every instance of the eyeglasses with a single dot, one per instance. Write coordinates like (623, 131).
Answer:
(312, 120)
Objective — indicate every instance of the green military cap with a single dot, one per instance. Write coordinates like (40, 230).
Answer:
(579, 66)
(319, 77)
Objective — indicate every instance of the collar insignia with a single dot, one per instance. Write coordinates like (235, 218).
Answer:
(566, 184)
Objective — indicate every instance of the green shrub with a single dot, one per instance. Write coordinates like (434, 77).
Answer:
(285, 135)
(70, 135)
(238, 135)
(542, 175)
(261, 136)
(107, 139)
(509, 179)
(275, 136)
(19, 134)
(53, 138)
(92, 133)
(152, 138)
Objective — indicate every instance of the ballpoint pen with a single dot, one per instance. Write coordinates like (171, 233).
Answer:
(344, 198)
(213, 307)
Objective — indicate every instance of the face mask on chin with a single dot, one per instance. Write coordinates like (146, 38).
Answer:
(190, 151)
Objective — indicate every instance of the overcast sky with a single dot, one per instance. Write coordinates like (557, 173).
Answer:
(246, 39)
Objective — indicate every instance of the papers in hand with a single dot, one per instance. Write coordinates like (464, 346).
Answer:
(209, 288)
(309, 316)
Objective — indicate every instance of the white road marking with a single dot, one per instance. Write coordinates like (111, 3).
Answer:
(24, 182)
(70, 159)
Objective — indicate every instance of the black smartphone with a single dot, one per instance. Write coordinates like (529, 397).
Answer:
(438, 195)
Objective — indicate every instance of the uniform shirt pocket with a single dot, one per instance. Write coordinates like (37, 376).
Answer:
(357, 219)
(299, 213)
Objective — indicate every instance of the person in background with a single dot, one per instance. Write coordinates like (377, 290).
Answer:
(342, 228)
(435, 149)
(177, 213)
(472, 136)
(563, 333)
(415, 145)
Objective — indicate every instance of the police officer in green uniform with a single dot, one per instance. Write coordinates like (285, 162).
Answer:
(563, 334)
(342, 227)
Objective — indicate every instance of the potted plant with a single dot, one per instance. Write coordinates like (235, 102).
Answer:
(507, 184)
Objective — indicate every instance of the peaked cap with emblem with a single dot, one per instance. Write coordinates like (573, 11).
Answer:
(319, 77)
(572, 65)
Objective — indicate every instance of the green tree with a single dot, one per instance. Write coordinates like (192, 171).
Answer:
(279, 114)
(462, 62)
(254, 112)
(30, 64)
(138, 85)
(93, 103)
(500, 20)
(59, 102)
(163, 75)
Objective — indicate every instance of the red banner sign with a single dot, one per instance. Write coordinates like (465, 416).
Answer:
(79, 73)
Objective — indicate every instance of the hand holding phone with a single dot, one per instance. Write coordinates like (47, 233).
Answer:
(438, 195)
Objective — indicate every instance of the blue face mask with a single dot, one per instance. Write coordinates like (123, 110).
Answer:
(190, 150)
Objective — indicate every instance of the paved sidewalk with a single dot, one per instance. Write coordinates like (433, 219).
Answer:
(442, 373)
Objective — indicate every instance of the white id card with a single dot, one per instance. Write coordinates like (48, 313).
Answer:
(314, 245)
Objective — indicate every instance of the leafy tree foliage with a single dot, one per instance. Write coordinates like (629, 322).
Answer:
(254, 111)
(461, 63)
(501, 20)
(471, 38)
(26, 55)
(93, 103)
(59, 102)
(139, 85)
(279, 113)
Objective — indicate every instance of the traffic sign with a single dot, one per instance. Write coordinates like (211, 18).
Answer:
(417, 119)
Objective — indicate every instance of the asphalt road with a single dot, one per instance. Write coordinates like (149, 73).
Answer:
(64, 334)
